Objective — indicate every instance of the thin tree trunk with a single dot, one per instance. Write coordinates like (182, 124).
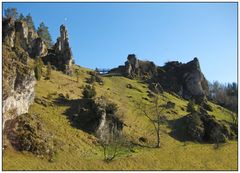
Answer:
(158, 133)
(158, 139)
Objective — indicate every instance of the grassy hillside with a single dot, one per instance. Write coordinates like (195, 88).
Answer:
(79, 150)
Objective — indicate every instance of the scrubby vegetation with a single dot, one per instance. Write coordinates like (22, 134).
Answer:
(38, 68)
(94, 77)
(30, 135)
(125, 120)
(81, 150)
(89, 91)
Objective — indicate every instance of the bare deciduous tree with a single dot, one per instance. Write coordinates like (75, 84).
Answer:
(114, 148)
(154, 113)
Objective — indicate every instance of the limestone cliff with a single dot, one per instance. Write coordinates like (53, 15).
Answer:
(134, 67)
(17, 34)
(18, 84)
(61, 54)
(187, 80)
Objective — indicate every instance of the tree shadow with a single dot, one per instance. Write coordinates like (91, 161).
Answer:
(179, 131)
(79, 113)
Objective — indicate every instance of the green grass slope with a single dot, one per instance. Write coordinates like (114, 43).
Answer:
(79, 150)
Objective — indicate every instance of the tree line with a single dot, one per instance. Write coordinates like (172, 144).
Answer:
(225, 95)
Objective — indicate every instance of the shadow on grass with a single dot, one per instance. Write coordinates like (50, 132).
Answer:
(179, 131)
(79, 113)
(111, 75)
(142, 145)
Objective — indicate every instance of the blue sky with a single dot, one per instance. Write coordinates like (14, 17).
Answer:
(103, 34)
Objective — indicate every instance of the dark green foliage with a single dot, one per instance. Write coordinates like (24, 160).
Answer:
(89, 91)
(111, 108)
(29, 21)
(11, 13)
(95, 77)
(202, 127)
(195, 127)
(190, 106)
(216, 131)
(206, 106)
(170, 105)
(21, 17)
(44, 34)
(49, 71)
(38, 68)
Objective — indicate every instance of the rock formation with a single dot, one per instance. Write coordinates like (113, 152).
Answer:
(8, 32)
(18, 84)
(94, 116)
(61, 55)
(135, 67)
(19, 44)
(186, 80)
(203, 127)
(17, 34)
(39, 48)
(110, 127)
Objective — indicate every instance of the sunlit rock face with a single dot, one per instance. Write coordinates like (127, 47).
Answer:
(39, 48)
(18, 77)
(136, 68)
(17, 34)
(61, 54)
(18, 84)
(109, 127)
(186, 80)
(8, 32)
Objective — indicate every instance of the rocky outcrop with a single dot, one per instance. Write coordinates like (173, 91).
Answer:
(186, 80)
(21, 30)
(203, 127)
(17, 34)
(135, 67)
(18, 84)
(39, 48)
(110, 127)
(61, 55)
(8, 32)
(98, 117)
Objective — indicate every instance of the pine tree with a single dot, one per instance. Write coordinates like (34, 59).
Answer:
(21, 17)
(11, 13)
(30, 23)
(44, 34)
